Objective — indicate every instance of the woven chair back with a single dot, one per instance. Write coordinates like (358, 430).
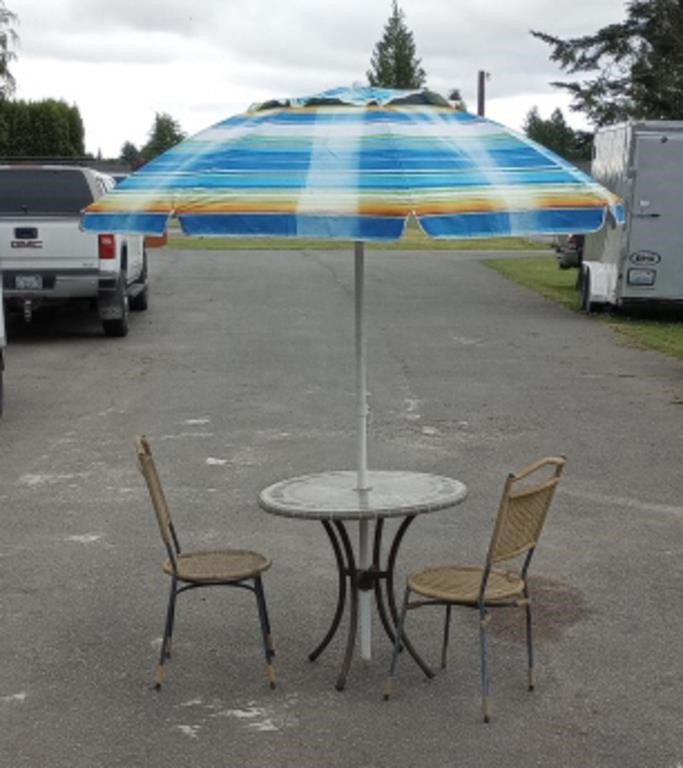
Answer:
(523, 511)
(156, 491)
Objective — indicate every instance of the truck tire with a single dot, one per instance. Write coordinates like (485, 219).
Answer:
(118, 327)
(140, 301)
(1, 389)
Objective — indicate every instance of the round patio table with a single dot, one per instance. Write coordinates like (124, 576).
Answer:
(333, 499)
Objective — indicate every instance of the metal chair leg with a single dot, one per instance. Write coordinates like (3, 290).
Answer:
(446, 633)
(388, 685)
(165, 652)
(485, 680)
(529, 644)
(265, 629)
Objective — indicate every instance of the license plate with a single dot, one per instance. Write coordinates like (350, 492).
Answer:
(28, 282)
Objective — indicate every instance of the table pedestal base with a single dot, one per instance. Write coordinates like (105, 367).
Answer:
(353, 580)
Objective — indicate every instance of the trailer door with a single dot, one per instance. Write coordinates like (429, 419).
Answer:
(654, 262)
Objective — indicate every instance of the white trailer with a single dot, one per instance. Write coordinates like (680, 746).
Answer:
(641, 261)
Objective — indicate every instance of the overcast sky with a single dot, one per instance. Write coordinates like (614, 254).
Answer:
(121, 61)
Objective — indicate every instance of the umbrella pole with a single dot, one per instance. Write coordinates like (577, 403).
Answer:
(361, 370)
(362, 448)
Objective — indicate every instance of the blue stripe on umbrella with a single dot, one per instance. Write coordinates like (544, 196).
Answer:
(513, 223)
(300, 225)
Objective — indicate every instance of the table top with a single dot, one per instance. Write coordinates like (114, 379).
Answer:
(333, 495)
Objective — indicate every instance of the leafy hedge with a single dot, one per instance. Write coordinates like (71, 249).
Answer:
(47, 128)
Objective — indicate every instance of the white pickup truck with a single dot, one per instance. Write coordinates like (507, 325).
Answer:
(46, 259)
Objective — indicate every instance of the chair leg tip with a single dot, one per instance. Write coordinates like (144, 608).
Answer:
(486, 711)
(158, 676)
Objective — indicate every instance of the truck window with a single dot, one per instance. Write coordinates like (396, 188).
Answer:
(43, 192)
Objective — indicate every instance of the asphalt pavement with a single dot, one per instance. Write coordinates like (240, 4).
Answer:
(241, 374)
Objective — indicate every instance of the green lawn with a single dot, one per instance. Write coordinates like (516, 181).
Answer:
(541, 274)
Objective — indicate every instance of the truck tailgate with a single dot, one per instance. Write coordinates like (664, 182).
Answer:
(46, 243)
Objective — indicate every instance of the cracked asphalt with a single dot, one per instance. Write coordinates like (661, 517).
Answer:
(241, 373)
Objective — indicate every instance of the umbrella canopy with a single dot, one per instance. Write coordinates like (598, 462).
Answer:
(355, 164)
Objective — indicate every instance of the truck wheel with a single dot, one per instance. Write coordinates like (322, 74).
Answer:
(140, 301)
(118, 327)
(1, 391)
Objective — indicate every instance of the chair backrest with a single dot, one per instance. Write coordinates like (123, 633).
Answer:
(526, 498)
(156, 491)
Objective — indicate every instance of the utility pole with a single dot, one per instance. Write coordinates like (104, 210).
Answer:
(481, 92)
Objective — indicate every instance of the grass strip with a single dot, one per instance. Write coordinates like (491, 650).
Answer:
(542, 275)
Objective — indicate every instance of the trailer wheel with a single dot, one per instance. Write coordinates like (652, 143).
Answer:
(591, 307)
(585, 288)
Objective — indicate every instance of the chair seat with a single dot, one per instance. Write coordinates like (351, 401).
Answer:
(218, 566)
(461, 584)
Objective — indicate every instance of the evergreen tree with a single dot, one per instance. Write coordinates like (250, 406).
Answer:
(635, 66)
(130, 154)
(555, 134)
(165, 133)
(8, 41)
(393, 63)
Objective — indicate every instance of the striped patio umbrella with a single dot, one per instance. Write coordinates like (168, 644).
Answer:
(355, 164)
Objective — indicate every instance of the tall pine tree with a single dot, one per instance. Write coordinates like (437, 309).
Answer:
(634, 68)
(393, 63)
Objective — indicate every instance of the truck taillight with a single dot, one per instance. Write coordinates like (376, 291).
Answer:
(106, 246)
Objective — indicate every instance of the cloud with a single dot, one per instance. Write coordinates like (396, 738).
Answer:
(121, 61)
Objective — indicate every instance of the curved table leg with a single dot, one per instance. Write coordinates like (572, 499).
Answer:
(391, 596)
(372, 579)
(353, 615)
(391, 565)
(341, 594)
(379, 597)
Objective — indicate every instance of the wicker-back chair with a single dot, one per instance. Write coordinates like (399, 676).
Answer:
(526, 498)
(190, 570)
